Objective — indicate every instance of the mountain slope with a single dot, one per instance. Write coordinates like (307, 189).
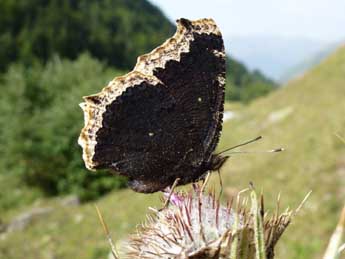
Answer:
(301, 117)
(113, 31)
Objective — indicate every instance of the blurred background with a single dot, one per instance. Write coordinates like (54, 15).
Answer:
(285, 81)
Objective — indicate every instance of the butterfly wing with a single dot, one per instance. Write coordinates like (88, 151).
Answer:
(162, 120)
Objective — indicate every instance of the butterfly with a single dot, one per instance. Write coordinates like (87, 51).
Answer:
(161, 121)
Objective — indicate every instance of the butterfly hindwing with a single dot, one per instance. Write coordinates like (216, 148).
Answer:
(163, 120)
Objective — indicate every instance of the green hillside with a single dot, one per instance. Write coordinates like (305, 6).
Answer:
(311, 61)
(301, 117)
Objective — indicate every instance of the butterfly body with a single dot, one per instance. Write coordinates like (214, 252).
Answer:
(199, 173)
(161, 121)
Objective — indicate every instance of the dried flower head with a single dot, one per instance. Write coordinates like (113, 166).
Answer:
(197, 225)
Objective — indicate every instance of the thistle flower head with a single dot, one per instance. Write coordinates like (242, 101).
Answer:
(197, 225)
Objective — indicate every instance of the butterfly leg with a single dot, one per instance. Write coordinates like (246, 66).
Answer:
(203, 178)
(167, 201)
(220, 183)
(204, 182)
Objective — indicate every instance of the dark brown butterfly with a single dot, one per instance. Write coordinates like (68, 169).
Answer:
(161, 121)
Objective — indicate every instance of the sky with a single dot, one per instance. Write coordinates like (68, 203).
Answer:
(319, 20)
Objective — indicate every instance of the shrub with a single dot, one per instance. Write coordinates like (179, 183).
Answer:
(41, 121)
(244, 85)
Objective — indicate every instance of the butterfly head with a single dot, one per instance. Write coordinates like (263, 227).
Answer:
(216, 162)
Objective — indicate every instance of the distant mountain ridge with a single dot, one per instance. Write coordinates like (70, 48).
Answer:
(308, 63)
(274, 56)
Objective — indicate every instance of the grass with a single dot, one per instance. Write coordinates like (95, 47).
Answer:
(233, 106)
(311, 162)
(75, 232)
(15, 196)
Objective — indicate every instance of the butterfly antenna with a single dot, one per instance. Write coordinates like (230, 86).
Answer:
(240, 145)
(256, 152)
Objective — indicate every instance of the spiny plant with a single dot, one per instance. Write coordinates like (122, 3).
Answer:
(197, 225)
(335, 246)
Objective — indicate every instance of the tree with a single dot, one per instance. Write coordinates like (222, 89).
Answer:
(115, 31)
